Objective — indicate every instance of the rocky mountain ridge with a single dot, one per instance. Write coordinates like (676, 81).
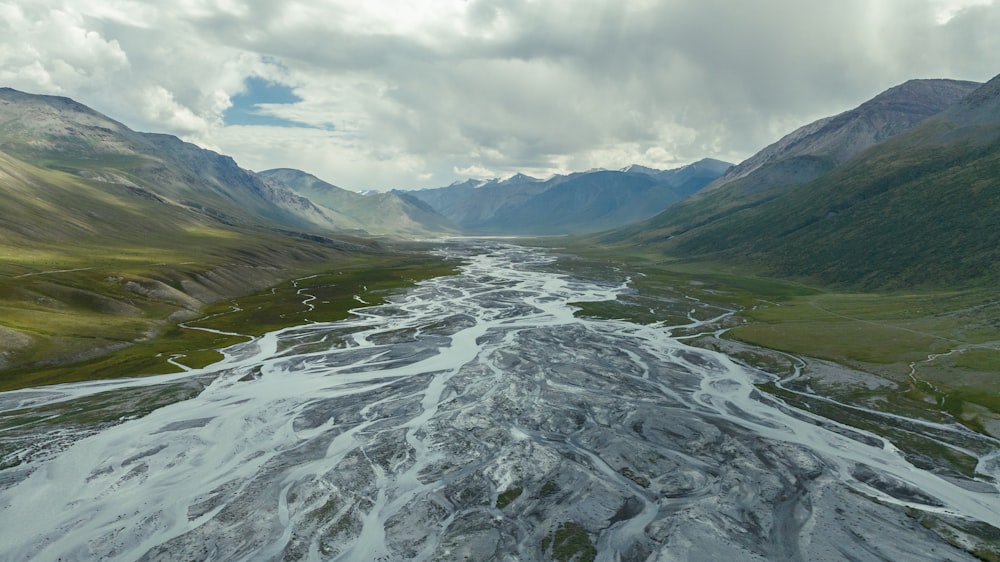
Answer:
(917, 209)
(391, 213)
(813, 149)
(62, 134)
(563, 204)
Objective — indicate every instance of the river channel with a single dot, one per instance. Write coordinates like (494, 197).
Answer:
(474, 417)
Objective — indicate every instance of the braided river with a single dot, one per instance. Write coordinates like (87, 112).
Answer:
(474, 417)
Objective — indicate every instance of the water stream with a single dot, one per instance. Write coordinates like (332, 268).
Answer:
(390, 435)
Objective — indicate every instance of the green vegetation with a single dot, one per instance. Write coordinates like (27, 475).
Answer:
(950, 341)
(627, 472)
(978, 539)
(919, 210)
(924, 450)
(570, 542)
(509, 495)
(947, 340)
(369, 277)
(550, 488)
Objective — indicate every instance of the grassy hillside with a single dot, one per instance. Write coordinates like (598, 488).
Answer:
(110, 237)
(918, 210)
(901, 216)
(109, 342)
(932, 354)
(90, 267)
(392, 213)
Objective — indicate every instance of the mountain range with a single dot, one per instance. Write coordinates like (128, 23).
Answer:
(61, 134)
(393, 212)
(101, 221)
(563, 204)
(813, 149)
(916, 204)
(106, 232)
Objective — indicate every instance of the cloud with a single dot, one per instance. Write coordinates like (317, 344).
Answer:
(55, 54)
(398, 94)
(326, 154)
(476, 172)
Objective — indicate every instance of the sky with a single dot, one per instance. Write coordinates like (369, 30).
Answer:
(382, 94)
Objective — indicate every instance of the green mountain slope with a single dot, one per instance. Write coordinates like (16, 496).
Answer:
(381, 213)
(60, 134)
(89, 266)
(108, 236)
(920, 209)
(809, 152)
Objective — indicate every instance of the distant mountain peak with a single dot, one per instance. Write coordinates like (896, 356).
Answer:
(640, 169)
(981, 107)
(391, 212)
(58, 123)
(577, 202)
(472, 183)
(298, 177)
(519, 178)
(713, 163)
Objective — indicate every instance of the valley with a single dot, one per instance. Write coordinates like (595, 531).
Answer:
(478, 415)
(792, 358)
(60, 346)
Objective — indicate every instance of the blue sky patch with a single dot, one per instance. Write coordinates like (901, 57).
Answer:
(245, 110)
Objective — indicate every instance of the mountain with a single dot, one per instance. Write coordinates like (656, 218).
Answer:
(105, 232)
(59, 133)
(580, 202)
(470, 203)
(376, 213)
(920, 208)
(811, 150)
(690, 178)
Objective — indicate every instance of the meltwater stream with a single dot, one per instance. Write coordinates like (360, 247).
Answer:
(391, 435)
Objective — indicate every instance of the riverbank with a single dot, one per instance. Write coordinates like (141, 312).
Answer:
(159, 337)
(859, 359)
(479, 415)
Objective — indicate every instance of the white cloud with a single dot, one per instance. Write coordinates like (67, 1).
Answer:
(475, 171)
(327, 154)
(161, 107)
(415, 94)
(53, 51)
(945, 10)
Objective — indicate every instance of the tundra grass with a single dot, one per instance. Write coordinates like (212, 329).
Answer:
(940, 348)
(570, 542)
(335, 292)
(925, 451)
(509, 495)
(335, 287)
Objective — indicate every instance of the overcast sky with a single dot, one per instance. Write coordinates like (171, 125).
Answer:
(419, 93)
